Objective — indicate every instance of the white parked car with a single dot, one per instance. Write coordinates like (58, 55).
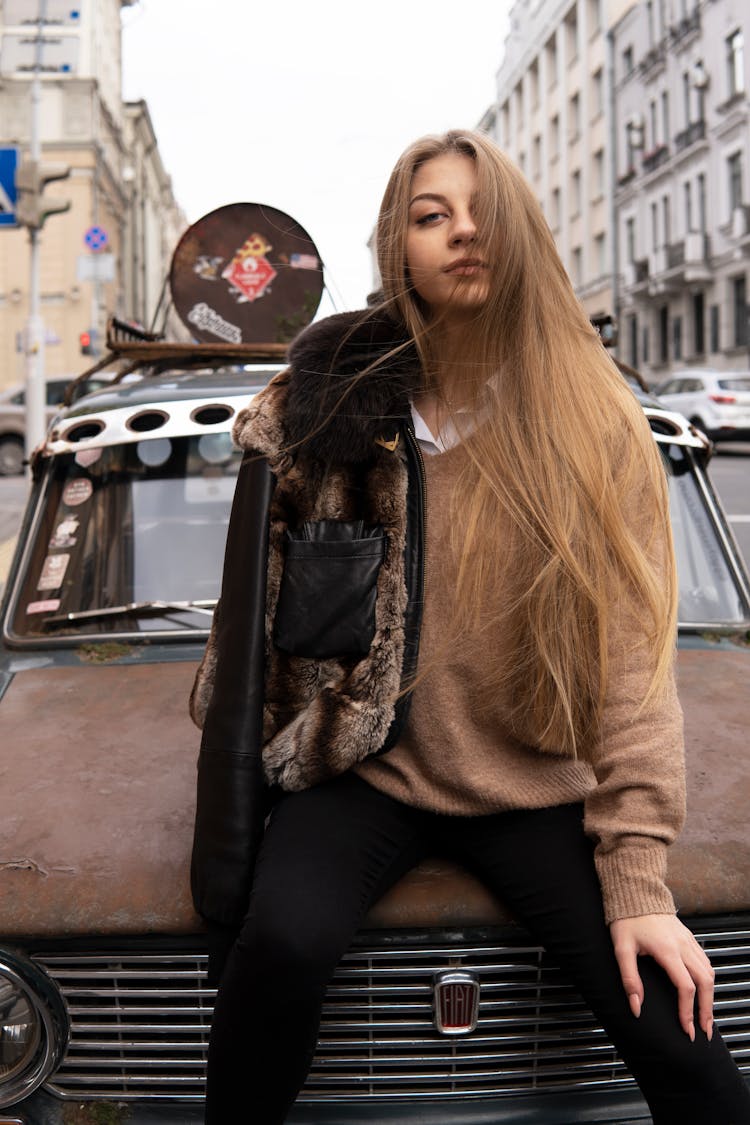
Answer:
(717, 402)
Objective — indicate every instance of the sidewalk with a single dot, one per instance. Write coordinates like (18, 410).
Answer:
(6, 554)
(13, 492)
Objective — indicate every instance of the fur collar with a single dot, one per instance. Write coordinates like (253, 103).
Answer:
(319, 405)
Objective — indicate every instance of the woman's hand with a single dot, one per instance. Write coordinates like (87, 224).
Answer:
(663, 937)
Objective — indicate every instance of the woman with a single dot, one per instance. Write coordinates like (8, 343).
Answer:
(455, 516)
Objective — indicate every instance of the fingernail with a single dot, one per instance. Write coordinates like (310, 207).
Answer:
(710, 1030)
(691, 1032)
(635, 1004)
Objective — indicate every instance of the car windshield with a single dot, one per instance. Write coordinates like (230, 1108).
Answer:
(708, 591)
(129, 539)
(125, 527)
(741, 384)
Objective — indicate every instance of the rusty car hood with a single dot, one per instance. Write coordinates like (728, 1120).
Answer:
(98, 777)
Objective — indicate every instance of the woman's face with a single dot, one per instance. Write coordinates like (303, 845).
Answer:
(446, 266)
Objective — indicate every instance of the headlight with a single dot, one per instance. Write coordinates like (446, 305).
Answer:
(34, 1027)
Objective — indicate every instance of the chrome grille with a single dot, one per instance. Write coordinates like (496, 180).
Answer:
(140, 1022)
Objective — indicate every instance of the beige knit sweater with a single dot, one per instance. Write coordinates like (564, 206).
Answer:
(457, 759)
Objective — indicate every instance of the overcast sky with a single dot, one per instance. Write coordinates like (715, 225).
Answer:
(306, 105)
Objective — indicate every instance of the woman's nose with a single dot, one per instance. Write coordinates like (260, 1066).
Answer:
(464, 230)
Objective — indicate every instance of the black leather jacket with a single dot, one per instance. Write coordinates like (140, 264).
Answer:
(234, 797)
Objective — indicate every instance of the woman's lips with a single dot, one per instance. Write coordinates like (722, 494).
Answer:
(465, 267)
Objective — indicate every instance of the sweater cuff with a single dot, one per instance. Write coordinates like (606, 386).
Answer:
(633, 882)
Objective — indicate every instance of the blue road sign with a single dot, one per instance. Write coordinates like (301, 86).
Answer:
(96, 238)
(8, 165)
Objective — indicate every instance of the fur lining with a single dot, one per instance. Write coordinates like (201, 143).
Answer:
(321, 429)
(324, 716)
(328, 413)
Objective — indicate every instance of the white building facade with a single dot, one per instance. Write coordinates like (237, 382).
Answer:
(553, 117)
(682, 191)
(117, 183)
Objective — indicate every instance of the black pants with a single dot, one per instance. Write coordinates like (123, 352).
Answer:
(331, 851)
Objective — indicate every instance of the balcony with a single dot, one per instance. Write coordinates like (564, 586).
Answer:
(687, 27)
(655, 158)
(740, 225)
(696, 131)
(635, 274)
(652, 60)
(681, 263)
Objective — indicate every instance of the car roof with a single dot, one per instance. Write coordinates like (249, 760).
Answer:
(174, 386)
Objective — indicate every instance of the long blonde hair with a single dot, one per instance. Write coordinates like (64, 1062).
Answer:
(565, 454)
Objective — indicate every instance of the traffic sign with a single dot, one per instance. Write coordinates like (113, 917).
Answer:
(24, 12)
(18, 54)
(96, 238)
(8, 165)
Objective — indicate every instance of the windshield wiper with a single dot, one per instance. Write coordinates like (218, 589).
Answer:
(136, 608)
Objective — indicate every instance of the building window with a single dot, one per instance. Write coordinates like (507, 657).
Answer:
(600, 254)
(702, 203)
(597, 91)
(652, 123)
(734, 169)
(536, 157)
(713, 323)
(594, 17)
(599, 173)
(688, 188)
(666, 220)
(677, 337)
(550, 52)
(630, 239)
(739, 304)
(534, 83)
(665, 117)
(686, 98)
(650, 20)
(556, 208)
(575, 194)
(518, 99)
(663, 333)
(736, 63)
(699, 321)
(554, 137)
(571, 35)
(505, 124)
(627, 62)
(645, 344)
(577, 270)
(654, 226)
(700, 90)
(633, 340)
(574, 109)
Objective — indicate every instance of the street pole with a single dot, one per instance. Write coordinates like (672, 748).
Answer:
(35, 396)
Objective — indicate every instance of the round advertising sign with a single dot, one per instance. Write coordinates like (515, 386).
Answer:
(246, 273)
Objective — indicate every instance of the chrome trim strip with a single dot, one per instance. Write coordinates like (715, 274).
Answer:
(546, 1039)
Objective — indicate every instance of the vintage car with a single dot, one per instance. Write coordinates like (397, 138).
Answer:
(443, 1010)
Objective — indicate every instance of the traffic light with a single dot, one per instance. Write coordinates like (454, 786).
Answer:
(86, 342)
(31, 178)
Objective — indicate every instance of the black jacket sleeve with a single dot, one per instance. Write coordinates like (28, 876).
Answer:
(231, 804)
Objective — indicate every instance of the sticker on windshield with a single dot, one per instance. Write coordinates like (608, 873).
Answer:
(53, 572)
(65, 533)
(77, 492)
(86, 457)
(48, 606)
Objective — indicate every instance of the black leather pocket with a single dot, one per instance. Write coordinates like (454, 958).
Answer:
(326, 604)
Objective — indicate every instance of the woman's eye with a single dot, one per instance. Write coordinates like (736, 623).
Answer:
(425, 220)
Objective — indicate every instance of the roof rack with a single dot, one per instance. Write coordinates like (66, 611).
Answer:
(126, 342)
